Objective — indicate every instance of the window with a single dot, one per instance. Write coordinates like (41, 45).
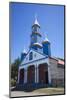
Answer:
(30, 56)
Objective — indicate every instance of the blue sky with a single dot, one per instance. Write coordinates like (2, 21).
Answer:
(51, 20)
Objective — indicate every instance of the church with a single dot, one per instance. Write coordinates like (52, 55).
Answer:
(38, 68)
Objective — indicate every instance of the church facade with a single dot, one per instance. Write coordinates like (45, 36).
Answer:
(38, 67)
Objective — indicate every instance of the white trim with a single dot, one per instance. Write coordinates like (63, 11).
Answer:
(49, 75)
(37, 74)
(38, 44)
(25, 75)
(18, 75)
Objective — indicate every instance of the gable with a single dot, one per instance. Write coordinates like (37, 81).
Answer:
(32, 56)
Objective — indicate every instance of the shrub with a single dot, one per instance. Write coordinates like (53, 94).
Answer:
(13, 82)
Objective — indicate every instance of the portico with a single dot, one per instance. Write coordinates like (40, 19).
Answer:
(35, 73)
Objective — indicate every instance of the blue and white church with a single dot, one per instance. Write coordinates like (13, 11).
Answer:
(38, 67)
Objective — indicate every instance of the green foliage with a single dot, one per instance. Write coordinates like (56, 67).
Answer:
(14, 71)
(13, 82)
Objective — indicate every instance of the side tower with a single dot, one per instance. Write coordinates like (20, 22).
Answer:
(35, 36)
(24, 53)
(46, 47)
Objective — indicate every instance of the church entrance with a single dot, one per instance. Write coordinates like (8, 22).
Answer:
(43, 73)
(21, 79)
(31, 74)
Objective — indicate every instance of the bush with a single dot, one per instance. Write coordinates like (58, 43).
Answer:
(13, 82)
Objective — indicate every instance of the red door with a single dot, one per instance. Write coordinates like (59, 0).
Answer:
(43, 73)
(22, 76)
(31, 74)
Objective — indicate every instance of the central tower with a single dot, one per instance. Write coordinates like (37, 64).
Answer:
(36, 36)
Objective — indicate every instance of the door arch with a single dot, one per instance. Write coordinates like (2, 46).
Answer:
(43, 73)
(21, 79)
(31, 74)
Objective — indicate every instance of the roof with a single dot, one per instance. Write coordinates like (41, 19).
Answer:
(39, 57)
(37, 52)
(53, 58)
(37, 44)
(46, 40)
(36, 23)
(24, 51)
(60, 62)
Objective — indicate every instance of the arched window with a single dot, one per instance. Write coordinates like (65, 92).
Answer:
(30, 56)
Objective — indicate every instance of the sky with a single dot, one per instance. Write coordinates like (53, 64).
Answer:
(51, 20)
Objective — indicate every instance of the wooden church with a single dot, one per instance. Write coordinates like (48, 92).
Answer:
(38, 67)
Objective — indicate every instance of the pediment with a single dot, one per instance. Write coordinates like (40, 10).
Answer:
(35, 56)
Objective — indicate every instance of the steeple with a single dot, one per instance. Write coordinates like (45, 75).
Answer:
(36, 23)
(35, 36)
(23, 54)
(46, 46)
(24, 51)
(46, 39)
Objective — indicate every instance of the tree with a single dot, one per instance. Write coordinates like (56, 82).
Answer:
(14, 69)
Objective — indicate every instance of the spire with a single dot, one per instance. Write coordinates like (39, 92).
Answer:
(46, 46)
(36, 22)
(24, 51)
(46, 39)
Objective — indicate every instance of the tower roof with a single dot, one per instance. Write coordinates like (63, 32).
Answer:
(24, 51)
(46, 40)
(37, 44)
(36, 22)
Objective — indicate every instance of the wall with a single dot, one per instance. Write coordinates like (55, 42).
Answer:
(57, 74)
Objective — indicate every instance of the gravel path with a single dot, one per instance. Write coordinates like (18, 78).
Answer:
(43, 91)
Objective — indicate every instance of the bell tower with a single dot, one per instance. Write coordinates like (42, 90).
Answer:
(35, 36)
(46, 46)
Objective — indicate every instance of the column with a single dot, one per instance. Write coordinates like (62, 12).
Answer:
(37, 74)
(49, 75)
(18, 75)
(25, 75)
